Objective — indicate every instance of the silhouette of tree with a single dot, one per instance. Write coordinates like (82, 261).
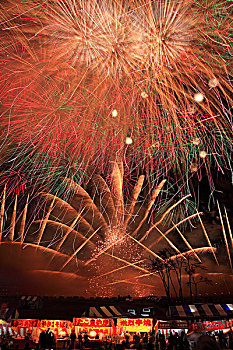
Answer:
(171, 269)
(161, 267)
(191, 265)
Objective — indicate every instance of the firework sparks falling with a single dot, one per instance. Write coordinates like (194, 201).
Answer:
(92, 235)
(96, 80)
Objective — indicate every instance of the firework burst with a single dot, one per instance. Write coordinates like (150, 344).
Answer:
(97, 235)
(143, 81)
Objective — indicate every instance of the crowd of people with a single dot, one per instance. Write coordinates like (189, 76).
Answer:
(138, 341)
(47, 340)
(148, 341)
(173, 342)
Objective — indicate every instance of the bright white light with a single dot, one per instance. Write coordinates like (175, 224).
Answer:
(92, 334)
(230, 306)
(192, 308)
(198, 97)
(203, 154)
(114, 113)
(128, 141)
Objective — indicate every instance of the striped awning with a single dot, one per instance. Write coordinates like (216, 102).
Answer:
(9, 313)
(201, 311)
(29, 298)
(103, 312)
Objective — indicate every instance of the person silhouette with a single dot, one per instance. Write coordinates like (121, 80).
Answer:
(72, 339)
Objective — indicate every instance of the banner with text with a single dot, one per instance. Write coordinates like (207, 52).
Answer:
(134, 325)
(173, 325)
(97, 325)
(41, 323)
(24, 323)
(208, 326)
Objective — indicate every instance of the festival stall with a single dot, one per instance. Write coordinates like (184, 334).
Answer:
(23, 330)
(6, 329)
(94, 326)
(29, 330)
(167, 327)
(218, 329)
(60, 328)
(23, 327)
(134, 325)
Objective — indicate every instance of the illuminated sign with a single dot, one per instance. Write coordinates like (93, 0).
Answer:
(24, 323)
(209, 326)
(54, 324)
(92, 322)
(98, 325)
(173, 325)
(97, 330)
(134, 324)
(43, 323)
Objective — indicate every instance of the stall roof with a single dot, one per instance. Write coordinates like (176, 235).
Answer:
(201, 311)
(104, 311)
(9, 313)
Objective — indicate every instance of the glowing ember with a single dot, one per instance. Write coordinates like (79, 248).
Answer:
(203, 154)
(198, 97)
(128, 141)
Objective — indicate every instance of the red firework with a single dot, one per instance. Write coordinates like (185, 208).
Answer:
(14, 182)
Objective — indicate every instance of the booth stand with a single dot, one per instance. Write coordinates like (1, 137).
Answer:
(28, 331)
(91, 332)
(60, 328)
(134, 329)
(134, 325)
(167, 327)
(23, 332)
(220, 330)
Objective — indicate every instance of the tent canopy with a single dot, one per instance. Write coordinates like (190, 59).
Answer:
(201, 311)
(103, 312)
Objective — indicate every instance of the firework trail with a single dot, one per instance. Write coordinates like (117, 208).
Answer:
(89, 81)
(93, 235)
